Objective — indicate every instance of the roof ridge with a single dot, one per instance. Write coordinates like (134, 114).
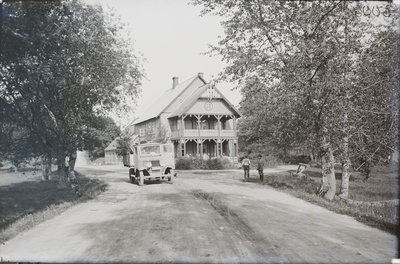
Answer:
(167, 98)
(188, 85)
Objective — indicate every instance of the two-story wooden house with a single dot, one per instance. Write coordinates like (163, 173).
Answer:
(195, 116)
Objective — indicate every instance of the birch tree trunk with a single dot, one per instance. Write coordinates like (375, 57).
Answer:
(63, 170)
(72, 161)
(328, 181)
(344, 185)
(46, 167)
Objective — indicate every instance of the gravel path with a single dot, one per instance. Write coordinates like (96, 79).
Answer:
(202, 217)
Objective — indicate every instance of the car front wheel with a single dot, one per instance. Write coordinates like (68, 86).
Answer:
(141, 179)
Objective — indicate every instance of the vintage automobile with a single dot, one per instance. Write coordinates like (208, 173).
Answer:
(150, 161)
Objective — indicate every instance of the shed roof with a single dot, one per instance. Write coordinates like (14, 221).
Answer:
(113, 144)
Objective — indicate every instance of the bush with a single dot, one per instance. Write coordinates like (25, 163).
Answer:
(197, 163)
(214, 164)
(270, 161)
(227, 163)
(296, 159)
(183, 163)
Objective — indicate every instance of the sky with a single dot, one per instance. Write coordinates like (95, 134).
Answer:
(172, 36)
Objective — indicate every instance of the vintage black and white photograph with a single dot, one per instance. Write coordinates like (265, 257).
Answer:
(199, 131)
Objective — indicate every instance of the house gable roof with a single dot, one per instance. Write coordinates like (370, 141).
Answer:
(168, 98)
(113, 145)
(202, 91)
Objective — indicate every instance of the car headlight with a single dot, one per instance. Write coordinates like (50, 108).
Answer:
(148, 164)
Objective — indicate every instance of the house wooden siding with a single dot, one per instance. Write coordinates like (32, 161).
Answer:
(147, 129)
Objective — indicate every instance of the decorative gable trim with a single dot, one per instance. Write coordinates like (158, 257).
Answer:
(210, 93)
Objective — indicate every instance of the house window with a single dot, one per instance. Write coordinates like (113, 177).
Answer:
(141, 132)
(211, 124)
(223, 125)
(150, 128)
(190, 124)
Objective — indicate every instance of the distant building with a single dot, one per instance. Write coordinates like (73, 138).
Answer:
(194, 115)
(110, 154)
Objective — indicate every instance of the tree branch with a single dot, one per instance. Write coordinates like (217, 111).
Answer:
(324, 16)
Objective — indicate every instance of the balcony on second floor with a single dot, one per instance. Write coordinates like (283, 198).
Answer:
(203, 133)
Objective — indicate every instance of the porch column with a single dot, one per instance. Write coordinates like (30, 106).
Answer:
(178, 127)
(234, 126)
(176, 148)
(199, 147)
(217, 145)
(179, 148)
(184, 147)
(198, 122)
(218, 117)
(236, 154)
(183, 125)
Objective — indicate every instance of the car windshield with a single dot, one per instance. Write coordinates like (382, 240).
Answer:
(167, 148)
(150, 150)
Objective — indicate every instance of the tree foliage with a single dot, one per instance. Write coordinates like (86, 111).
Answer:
(308, 71)
(124, 143)
(99, 133)
(63, 63)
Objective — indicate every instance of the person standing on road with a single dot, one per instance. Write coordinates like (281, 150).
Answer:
(246, 167)
(260, 167)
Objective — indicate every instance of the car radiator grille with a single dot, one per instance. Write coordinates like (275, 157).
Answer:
(155, 163)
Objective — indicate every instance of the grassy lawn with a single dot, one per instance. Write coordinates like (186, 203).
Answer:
(371, 201)
(26, 204)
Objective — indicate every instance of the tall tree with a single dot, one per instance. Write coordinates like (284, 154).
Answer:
(62, 63)
(294, 61)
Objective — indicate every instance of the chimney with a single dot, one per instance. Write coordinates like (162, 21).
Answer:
(175, 82)
(200, 75)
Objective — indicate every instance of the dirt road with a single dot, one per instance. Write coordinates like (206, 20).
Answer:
(201, 217)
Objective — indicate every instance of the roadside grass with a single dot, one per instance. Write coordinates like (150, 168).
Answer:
(372, 202)
(26, 204)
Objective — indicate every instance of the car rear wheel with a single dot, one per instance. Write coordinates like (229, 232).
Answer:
(170, 176)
